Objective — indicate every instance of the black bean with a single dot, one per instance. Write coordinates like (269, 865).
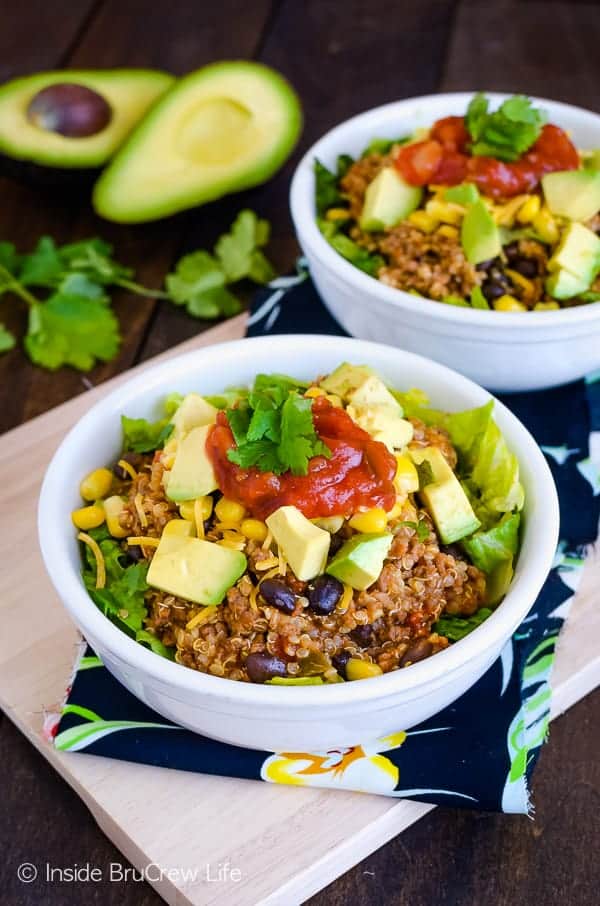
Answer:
(278, 594)
(134, 459)
(133, 554)
(323, 594)
(262, 666)
(484, 265)
(418, 651)
(511, 250)
(362, 635)
(340, 660)
(335, 544)
(528, 267)
(493, 289)
(453, 550)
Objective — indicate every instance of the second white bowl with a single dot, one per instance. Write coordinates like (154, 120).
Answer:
(501, 350)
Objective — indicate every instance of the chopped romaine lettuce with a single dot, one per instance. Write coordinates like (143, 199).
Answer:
(143, 436)
(488, 548)
(456, 628)
(122, 598)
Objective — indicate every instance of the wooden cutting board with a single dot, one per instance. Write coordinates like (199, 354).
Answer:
(154, 815)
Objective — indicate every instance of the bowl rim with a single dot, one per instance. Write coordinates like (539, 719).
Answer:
(433, 671)
(301, 200)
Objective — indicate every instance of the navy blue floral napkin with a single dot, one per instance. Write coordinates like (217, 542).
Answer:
(477, 753)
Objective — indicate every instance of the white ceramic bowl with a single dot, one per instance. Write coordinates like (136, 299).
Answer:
(271, 717)
(501, 350)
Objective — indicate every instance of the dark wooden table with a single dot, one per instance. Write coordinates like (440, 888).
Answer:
(342, 58)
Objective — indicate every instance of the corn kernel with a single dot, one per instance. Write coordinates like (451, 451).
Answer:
(396, 510)
(444, 211)
(88, 517)
(504, 214)
(370, 522)
(181, 527)
(423, 221)
(546, 306)
(254, 529)
(406, 480)
(206, 505)
(337, 214)
(545, 226)
(113, 507)
(229, 510)
(509, 303)
(96, 485)
(313, 392)
(449, 231)
(529, 209)
(357, 669)
(186, 510)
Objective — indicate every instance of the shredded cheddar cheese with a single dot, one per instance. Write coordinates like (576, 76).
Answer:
(143, 541)
(344, 602)
(199, 517)
(201, 617)
(127, 467)
(139, 508)
(99, 558)
(269, 563)
(268, 541)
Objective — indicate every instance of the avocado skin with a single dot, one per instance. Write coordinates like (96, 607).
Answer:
(118, 199)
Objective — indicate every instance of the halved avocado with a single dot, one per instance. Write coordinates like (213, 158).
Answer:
(75, 118)
(223, 128)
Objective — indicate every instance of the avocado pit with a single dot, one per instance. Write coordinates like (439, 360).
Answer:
(72, 110)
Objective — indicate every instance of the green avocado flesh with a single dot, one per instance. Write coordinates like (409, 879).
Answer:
(224, 128)
(573, 193)
(195, 569)
(479, 236)
(359, 561)
(128, 92)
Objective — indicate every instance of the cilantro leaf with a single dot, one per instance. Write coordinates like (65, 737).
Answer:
(198, 282)
(78, 284)
(93, 257)
(7, 339)
(508, 132)
(71, 330)
(456, 628)
(420, 527)
(274, 428)
(142, 436)
(9, 259)
(299, 440)
(43, 266)
(239, 250)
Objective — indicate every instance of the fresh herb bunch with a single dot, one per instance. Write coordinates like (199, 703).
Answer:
(75, 325)
(507, 133)
(273, 427)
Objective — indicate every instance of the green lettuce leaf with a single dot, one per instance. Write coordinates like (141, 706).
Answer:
(142, 436)
(122, 599)
(149, 640)
(488, 548)
(456, 628)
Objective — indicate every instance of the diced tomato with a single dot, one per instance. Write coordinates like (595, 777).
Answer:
(452, 169)
(418, 162)
(451, 133)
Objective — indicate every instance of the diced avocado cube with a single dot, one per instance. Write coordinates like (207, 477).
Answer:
(304, 545)
(479, 235)
(359, 561)
(384, 423)
(573, 193)
(346, 378)
(372, 391)
(183, 528)
(577, 252)
(193, 412)
(466, 193)
(388, 200)
(563, 284)
(445, 498)
(194, 569)
(192, 474)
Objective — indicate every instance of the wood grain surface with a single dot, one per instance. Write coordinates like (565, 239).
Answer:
(342, 58)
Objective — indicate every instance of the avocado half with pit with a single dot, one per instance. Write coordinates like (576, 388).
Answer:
(221, 129)
(75, 119)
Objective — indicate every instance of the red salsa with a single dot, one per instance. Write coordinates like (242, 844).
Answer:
(359, 473)
(444, 159)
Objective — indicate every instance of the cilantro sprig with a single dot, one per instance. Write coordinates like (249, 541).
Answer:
(508, 132)
(273, 427)
(72, 323)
